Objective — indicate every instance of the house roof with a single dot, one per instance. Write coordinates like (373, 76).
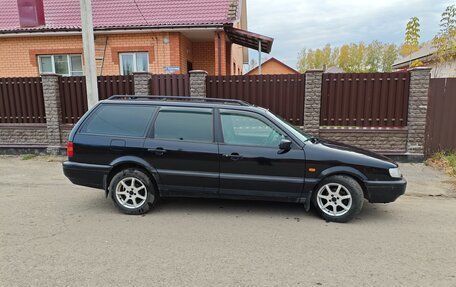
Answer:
(334, 70)
(425, 51)
(273, 60)
(107, 14)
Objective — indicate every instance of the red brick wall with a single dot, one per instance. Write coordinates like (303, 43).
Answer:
(18, 55)
(203, 56)
(186, 53)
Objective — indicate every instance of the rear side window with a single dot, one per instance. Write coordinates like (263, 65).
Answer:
(184, 124)
(120, 120)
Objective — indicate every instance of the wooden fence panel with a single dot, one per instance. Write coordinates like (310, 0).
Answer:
(170, 85)
(281, 94)
(21, 100)
(365, 99)
(441, 116)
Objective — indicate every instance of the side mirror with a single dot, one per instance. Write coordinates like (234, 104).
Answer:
(285, 145)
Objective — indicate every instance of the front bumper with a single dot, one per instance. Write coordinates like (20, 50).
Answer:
(91, 175)
(385, 191)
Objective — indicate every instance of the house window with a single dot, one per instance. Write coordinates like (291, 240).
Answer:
(65, 65)
(133, 62)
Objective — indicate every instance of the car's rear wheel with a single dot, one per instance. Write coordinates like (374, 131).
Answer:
(338, 198)
(132, 191)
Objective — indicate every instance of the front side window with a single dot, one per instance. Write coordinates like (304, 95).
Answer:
(134, 62)
(120, 120)
(64, 65)
(188, 124)
(247, 130)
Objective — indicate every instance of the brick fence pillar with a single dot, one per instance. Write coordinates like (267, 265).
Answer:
(141, 82)
(312, 101)
(198, 83)
(417, 109)
(53, 109)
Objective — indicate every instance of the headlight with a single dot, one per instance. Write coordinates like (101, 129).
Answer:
(395, 172)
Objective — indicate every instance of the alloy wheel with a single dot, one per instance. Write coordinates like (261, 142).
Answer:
(334, 199)
(131, 192)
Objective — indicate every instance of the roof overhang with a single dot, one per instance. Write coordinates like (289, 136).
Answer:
(249, 39)
(77, 30)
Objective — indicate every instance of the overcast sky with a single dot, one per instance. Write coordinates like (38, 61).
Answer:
(298, 24)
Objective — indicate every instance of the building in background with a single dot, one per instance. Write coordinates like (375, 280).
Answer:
(272, 66)
(44, 36)
(426, 55)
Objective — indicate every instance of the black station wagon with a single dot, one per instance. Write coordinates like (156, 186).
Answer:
(141, 148)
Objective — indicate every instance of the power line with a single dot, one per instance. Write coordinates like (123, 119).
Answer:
(140, 12)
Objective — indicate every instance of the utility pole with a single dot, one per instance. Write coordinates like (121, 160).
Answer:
(88, 44)
(259, 57)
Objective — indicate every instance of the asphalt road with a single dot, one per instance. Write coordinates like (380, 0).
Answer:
(53, 233)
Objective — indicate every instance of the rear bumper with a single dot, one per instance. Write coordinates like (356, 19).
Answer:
(385, 191)
(91, 175)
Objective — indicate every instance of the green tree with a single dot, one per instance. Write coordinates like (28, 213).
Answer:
(389, 55)
(344, 57)
(317, 59)
(354, 57)
(412, 38)
(374, 56)
(445, 40)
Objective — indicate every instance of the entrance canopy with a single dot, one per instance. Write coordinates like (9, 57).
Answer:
(249, 39)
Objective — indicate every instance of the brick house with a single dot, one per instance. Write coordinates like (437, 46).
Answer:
(152, 36)
(272, 66)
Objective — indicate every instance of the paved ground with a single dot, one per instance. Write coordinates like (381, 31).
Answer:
(53, 233)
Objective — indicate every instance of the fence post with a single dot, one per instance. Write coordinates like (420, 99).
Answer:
(53, 109)
(141, 82)
(198, 83)
(312, 101)
(417, 109)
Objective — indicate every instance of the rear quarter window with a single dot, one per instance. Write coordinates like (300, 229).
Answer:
(120, 120)
(184, 124)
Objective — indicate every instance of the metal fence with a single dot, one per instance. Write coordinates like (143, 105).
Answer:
(170, 85)
(441, 116)
(115, 85)
(73, 93)
(21, 100)
(365, 99)
(281, 94)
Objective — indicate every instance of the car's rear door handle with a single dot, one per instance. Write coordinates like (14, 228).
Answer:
(233, 156)
(157, 151)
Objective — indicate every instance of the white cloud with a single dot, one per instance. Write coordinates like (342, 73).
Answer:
(298, 24)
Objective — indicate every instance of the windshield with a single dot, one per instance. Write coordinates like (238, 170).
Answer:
(297, 132)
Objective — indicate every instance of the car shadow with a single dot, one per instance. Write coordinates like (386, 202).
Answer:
(237, 208)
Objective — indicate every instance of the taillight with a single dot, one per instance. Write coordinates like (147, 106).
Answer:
(70, 150)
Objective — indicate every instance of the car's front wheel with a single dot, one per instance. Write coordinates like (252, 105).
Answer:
(338, 198)
(132, 191)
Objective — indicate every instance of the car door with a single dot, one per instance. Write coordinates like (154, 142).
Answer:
(182, 148)
(251, 163)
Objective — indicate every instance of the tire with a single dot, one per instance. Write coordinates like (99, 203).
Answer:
(132, 191)
(338, 198)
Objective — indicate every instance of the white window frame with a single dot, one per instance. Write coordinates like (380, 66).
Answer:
(68, 56)
(134, 61)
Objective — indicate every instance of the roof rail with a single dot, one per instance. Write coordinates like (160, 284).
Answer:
(164, 98)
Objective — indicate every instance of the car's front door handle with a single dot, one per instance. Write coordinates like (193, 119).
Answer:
(157, 151)
(233, 156)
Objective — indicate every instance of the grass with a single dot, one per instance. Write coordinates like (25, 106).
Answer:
(28, 156)
(444, 160)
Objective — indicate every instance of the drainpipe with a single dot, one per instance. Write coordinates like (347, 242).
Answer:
(219, 55)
